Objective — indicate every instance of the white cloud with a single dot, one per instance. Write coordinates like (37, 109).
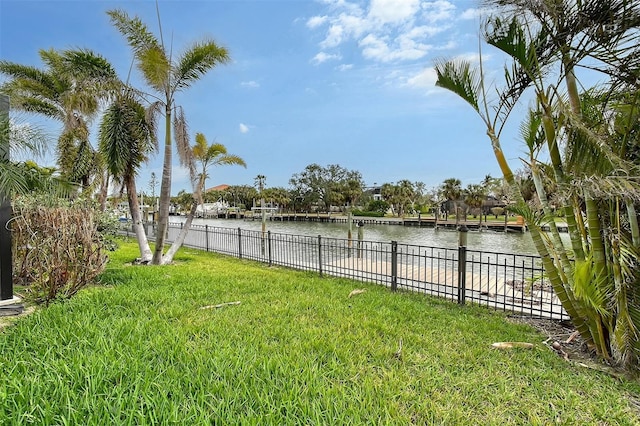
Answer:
(334, 36)
(316, 21)
(384, 30)
(473, 57)
(345, 67)
(473, 13)
(393, 11)
(323, 57)
(425, 79)
(244, 128)
(440, 10)
(251, 84)
(404, 48)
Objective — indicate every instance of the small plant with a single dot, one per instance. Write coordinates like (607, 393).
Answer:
(58, 246)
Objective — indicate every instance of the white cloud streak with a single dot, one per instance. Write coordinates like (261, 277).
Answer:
(250, 84)
(324, 57)
(244, 128)
(384, 30)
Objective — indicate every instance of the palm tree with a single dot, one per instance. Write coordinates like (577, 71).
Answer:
(126, 137)
(211, 155)
(69, 89)
(21, 138)
(167, 76)
(207, 156)
(474, 197)
(592, 174)
(451, 191)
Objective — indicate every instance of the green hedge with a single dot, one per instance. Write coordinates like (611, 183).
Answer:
(367, 214)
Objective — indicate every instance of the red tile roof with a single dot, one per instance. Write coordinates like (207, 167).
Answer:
(218, 188)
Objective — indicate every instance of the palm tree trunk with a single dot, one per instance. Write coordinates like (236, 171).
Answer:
(165, 191)
(138, 228)
(599, 267)
(558, 245)
(554, 277)
(633, 222)
(556, 162)
(104, 189)
(175, 246)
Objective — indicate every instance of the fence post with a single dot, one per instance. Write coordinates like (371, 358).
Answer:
(6, 265)
(239, 243)
(462, 264)
(206, 236)
(269, 246)
(320, 254)
(394, 265)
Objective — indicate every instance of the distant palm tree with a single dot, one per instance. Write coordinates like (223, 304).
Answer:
(167, 76)
(208, 156)
(475, 196)
(451, 190)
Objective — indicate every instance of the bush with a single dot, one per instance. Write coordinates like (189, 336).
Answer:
(380, 206)
(58, 247)
(367, 214)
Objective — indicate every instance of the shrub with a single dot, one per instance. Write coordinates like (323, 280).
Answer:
(367, 214)
(58, 247)
(378, 206)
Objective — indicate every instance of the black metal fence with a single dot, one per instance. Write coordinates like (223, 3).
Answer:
(509, 282)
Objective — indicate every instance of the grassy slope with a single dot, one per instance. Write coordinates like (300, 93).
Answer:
(295, 351)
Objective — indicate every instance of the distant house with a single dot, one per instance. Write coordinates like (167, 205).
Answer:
(374, 191)
(221, 187)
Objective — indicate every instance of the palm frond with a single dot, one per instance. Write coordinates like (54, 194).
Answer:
(125, 136)
(196, 61)
(86, 64)
(531, 131)
(155, 67)
(230, 160)
(589, 289)
(12, 180)
(460, 78)
(138, 35)
(152, 113)
(181, 132)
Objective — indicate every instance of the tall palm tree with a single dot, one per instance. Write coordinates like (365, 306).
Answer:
(207, 156)
(68, 89)
(167, 76)
(126, 137)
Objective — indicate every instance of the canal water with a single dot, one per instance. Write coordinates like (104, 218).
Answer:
(492, 241)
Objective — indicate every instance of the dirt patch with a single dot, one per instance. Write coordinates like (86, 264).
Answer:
(9, 320)
(563, 339)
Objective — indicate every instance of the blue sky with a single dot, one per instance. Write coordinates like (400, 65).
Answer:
(328, 81)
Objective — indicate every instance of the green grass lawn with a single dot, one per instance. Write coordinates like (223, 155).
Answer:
(140, 350)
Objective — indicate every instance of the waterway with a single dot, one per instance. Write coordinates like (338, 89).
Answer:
(503, 242)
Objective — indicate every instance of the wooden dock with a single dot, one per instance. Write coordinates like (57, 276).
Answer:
(491, 290)
(430, 222)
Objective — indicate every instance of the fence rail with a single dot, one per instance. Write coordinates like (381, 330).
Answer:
(509, 282)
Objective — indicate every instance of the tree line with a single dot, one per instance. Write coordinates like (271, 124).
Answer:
(335, 188)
